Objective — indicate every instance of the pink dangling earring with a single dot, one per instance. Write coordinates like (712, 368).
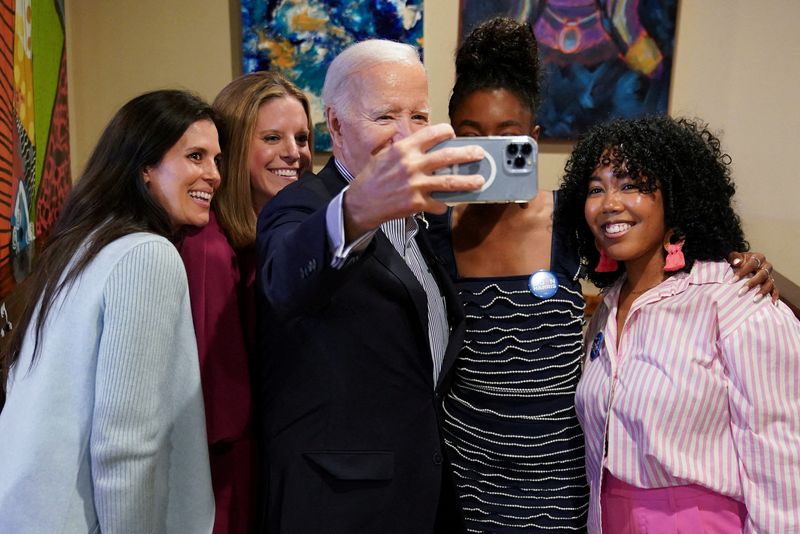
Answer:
(675, 260)
(607, 264)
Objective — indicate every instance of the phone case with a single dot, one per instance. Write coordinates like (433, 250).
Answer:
(509, 169)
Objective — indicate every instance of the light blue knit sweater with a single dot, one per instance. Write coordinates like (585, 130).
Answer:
(105, 432)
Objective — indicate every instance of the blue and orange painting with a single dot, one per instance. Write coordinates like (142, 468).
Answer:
(601, 59)
(300, 38)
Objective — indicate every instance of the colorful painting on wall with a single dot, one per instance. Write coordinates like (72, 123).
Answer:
(34, 131)
(300, 38)
(600, 58)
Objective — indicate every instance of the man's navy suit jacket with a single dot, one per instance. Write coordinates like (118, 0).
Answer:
(346, 405)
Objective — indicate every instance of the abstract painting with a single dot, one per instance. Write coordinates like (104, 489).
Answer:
(34, 131)
(601, 59)
(299, 38)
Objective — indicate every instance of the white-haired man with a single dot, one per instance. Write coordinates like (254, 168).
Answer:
(360, 324)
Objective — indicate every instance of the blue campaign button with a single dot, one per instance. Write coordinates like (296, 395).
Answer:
(543, 284)
(597, 346)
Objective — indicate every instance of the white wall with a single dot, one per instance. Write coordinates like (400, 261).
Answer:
(736, 66)
(117, 49)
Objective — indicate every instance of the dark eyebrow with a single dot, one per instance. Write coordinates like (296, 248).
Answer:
(477, 125)
(470, 123)
(202, 150)
(508, 123)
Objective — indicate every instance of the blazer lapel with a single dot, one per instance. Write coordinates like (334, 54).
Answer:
(386, 254)
(455, 312)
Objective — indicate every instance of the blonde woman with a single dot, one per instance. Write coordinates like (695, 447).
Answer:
(267, 121)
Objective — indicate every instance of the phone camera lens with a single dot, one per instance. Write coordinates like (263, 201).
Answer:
(519, 162)
(512, 150)
(527, 149)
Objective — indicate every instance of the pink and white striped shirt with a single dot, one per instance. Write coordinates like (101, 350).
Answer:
(704, 388)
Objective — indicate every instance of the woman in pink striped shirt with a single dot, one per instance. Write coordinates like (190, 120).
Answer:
(690, 397)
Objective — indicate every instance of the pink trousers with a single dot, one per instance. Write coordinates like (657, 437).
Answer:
(689, 509)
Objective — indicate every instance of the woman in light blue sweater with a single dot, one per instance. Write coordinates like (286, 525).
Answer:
(103, 427)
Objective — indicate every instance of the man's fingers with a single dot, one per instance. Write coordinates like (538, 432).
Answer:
(428, 137)
(451, 182)
(448, 156)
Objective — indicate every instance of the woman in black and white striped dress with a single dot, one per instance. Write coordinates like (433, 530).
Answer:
(514, 442)
(512, 436)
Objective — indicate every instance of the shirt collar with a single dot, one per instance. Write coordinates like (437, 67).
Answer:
(703, 272)
(343, 171)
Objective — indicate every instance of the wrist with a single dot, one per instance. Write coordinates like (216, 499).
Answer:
(355, 225)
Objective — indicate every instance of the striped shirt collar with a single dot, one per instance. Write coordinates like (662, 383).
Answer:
(343, 171)
(702, 272)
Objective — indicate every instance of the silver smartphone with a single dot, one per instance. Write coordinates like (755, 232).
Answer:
(508, 168)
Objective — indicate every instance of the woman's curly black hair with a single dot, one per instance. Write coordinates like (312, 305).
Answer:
(501, 53)
(680, 157)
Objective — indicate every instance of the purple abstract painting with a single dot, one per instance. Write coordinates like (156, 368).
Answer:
(601, 59)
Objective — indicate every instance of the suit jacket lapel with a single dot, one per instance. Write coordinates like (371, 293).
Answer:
(386, 254)
(455, 312)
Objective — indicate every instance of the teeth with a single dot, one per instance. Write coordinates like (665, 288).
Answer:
(202, 195)
(288, 173)
(617, 228)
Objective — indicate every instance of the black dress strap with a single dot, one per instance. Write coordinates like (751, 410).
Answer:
(564, 252)
(441, 238)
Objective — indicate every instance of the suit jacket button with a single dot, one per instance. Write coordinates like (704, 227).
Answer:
(437, 458)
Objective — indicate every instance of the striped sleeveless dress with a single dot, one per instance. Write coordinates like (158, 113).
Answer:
(510, 429)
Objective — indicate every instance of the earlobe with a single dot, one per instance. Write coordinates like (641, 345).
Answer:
(146, 176)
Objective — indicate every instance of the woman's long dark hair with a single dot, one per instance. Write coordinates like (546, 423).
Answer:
(109, 201)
